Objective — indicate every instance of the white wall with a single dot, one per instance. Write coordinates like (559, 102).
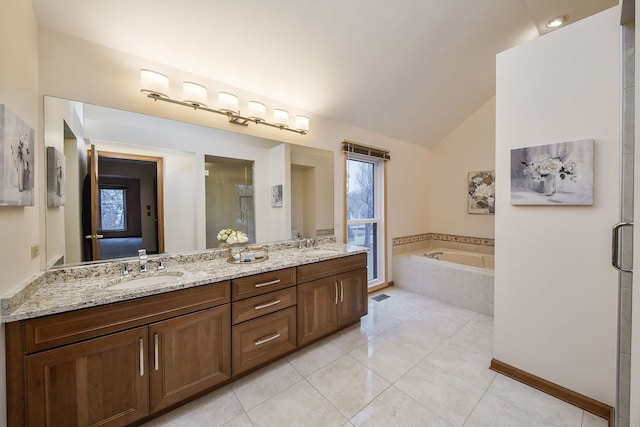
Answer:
(469, 148)
(555, 290)
(19, 226)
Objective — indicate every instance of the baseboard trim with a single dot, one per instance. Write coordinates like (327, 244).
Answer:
(376, 288)
(576, 399)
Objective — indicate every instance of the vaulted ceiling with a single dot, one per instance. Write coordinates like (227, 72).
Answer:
(409, 69)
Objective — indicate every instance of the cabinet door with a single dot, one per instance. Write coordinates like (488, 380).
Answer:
(189, 354)
(317, 309)
(97, 382)
(352, 298)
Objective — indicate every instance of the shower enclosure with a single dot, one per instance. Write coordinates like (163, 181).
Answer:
(229, 197)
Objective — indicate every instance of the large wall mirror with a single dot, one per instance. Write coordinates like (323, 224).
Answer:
(119, 181)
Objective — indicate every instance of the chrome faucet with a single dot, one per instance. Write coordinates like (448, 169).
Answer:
(435, 255)
(142, 253)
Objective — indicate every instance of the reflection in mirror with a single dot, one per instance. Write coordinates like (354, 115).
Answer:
(229, 197)
(187, 152)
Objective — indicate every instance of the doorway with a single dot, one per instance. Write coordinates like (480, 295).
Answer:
(122, 209)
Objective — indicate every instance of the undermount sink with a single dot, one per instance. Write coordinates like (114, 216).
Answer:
(144, 281)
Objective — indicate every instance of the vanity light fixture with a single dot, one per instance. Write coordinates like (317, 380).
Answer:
(558, 21)
(156, 87)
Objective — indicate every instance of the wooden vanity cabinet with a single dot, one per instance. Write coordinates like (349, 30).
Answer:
(115, 364)
(264, 318)
(328, 303)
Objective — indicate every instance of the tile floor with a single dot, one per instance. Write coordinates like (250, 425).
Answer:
(412, 361)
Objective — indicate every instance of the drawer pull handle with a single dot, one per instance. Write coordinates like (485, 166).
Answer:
(266, 340)
(269, 304)
(141, 357)
(273, 282)
(155, 353)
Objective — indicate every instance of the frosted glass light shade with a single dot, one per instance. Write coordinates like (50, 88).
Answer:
(194, 94)
(227, 102)
(302, 123)
(281, 117)
(257, 111)
(153, 83)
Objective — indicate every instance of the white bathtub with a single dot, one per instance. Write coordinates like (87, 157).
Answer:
(461, 278)
(471, 259)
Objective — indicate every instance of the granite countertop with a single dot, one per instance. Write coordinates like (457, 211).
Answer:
(70, 289)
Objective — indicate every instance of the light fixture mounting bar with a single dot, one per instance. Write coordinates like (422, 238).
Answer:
(233, 117)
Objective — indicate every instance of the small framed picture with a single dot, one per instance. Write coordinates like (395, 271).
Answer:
(276, 196)
(482, 192)
(55, 177)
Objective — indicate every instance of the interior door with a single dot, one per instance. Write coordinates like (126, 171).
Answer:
(95, 204)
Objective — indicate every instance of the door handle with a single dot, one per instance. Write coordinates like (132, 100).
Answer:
(615, 243)
(94, 236)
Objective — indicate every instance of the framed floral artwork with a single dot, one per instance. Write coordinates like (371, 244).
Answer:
(55, 177)
(482, 192)
(17, 169)
(553, 174)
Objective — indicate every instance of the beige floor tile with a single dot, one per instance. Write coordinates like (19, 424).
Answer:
(451, 312)
(352, 338)
(314, 357)
(590, 420)
(464, 362)
(348, 385)
(213, 409)
(379, 322)
(385, 358)
(539, 405)
(395, 408)
(495, 412)
(261, 385)
(242, 421)
(414, 339)
(300, 405)
(434, 324)
(442, 392)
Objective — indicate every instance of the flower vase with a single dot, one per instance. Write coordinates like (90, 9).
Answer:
(549, 184)
(236, 248)
(21, 175)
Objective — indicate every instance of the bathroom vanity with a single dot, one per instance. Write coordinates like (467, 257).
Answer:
(142, 351)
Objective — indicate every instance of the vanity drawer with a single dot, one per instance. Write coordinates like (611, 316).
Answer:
(259, 284)
(250, 308)
(318, 270)
(263, 339)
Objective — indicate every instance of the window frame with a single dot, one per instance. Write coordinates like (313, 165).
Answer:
(379, 213)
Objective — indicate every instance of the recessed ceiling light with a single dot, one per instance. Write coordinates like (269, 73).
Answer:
(557, 21)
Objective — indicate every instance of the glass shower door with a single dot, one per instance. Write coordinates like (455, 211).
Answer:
(229, 197)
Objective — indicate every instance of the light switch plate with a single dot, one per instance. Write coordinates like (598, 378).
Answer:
(35, 251)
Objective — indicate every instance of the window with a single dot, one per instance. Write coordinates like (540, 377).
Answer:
(365, 210)
(113, 209)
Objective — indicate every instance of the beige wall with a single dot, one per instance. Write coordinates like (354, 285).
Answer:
(555, 289)
(19, 226)
(469, 148)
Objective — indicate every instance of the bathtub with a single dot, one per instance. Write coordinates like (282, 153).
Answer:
(460, 278)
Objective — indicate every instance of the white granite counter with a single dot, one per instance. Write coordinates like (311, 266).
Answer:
(67, 289)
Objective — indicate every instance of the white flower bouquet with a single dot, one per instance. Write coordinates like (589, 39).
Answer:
(544, 165)
(231, 237)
